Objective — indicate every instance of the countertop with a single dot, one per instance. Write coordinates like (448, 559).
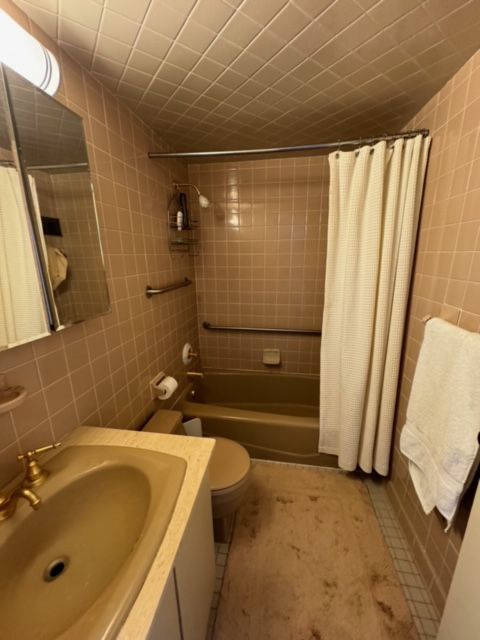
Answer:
(196, 452)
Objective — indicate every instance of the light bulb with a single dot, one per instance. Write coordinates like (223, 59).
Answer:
(24, 54)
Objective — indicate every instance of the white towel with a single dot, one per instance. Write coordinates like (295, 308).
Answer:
(443, 416)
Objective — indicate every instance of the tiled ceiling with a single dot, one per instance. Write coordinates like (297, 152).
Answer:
(222, 74)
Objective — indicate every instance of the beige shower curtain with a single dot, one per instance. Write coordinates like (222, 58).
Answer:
(22, 308)
(375, 196)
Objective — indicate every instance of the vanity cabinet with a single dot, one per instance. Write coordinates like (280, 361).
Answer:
(166, 624)
(183, 611)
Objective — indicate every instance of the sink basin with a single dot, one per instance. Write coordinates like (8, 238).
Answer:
(73, 568)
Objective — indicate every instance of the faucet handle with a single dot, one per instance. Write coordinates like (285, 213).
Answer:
(34, 474)
(30, 455)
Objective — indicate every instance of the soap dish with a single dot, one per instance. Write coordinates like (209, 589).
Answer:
(271, 357)
(11, 397)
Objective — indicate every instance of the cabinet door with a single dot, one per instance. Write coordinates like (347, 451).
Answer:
(195, 568)
(461, 618)
(166, 623)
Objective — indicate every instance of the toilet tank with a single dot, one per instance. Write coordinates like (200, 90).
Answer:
(165, 421)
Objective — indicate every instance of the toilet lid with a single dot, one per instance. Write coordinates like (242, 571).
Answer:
(230, 463)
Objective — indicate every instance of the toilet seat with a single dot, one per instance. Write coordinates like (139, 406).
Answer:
(229, 465)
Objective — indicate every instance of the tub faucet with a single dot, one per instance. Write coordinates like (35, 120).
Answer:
(194, 374)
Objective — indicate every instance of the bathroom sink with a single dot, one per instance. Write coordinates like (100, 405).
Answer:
(73, 568)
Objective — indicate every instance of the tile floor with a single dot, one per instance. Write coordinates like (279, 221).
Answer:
(221, 556)
(417, 596)
(421, 606)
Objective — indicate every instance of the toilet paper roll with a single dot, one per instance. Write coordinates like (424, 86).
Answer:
(167, 387)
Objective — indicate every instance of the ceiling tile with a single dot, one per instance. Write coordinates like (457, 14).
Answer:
(212, 14)
(340, 14)
(213, 73)
(144, 62)
(76, 35)
(46, 16)
(262, 12)
(164, 18)
(153, 43)
(266, 45)
(313, 8)
(181, 56)
(196, 37)
(289, 22)
(224, 51)
(242, 30)
(117, 26)
(209, 69)
(85, 13)
(311, 39)
(133, 10)
(110, 48)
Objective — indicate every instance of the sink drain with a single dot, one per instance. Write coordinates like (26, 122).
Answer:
(56, 568)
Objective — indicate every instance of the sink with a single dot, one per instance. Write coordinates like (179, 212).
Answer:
(73, 568)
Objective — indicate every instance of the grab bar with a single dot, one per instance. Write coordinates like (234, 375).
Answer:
(305, 332)
(149, 292)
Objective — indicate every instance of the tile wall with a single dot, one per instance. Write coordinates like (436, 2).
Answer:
(261, 259)
(97, 372)
(447, 284)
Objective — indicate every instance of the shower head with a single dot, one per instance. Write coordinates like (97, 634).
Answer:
(203, 201)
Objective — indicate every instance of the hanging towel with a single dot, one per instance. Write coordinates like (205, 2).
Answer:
(443, 417)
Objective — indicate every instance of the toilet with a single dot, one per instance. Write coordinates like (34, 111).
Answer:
(229, 471)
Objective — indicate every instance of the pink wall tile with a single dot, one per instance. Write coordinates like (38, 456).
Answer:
(97, 372)
(445, 283)
(261, 260)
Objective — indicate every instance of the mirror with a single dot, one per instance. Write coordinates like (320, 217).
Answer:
(23, 310)
(54, 159)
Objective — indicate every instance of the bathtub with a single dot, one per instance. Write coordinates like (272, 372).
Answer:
(275, 416)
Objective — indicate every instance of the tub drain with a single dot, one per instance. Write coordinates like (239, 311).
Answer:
(55, 569)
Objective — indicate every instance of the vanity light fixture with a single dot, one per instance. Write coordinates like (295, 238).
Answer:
(24, 54)
(203, 201)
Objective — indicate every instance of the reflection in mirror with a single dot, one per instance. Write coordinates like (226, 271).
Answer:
(54, 157)
(23, 311)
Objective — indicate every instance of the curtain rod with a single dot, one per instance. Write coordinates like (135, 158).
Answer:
(305, 147)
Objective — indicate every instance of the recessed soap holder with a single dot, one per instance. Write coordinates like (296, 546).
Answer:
(271, 357)
(10, 397)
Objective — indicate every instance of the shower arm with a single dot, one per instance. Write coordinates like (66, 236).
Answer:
(186, 184)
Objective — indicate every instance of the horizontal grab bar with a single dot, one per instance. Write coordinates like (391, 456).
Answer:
(149, 292)
(305, 332)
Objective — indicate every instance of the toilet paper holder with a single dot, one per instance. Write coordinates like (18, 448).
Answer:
(163, 386)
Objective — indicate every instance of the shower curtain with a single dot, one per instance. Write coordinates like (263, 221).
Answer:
(22, 311)
(375, 196)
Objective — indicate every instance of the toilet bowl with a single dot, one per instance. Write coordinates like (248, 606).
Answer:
(229, 471)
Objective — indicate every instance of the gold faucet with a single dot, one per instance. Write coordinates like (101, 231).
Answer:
(34, 476)
(8, 504)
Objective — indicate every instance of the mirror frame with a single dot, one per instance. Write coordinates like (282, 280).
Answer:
(51, 307)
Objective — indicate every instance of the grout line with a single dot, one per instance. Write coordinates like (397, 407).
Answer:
(416, 592)
(222, 551)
